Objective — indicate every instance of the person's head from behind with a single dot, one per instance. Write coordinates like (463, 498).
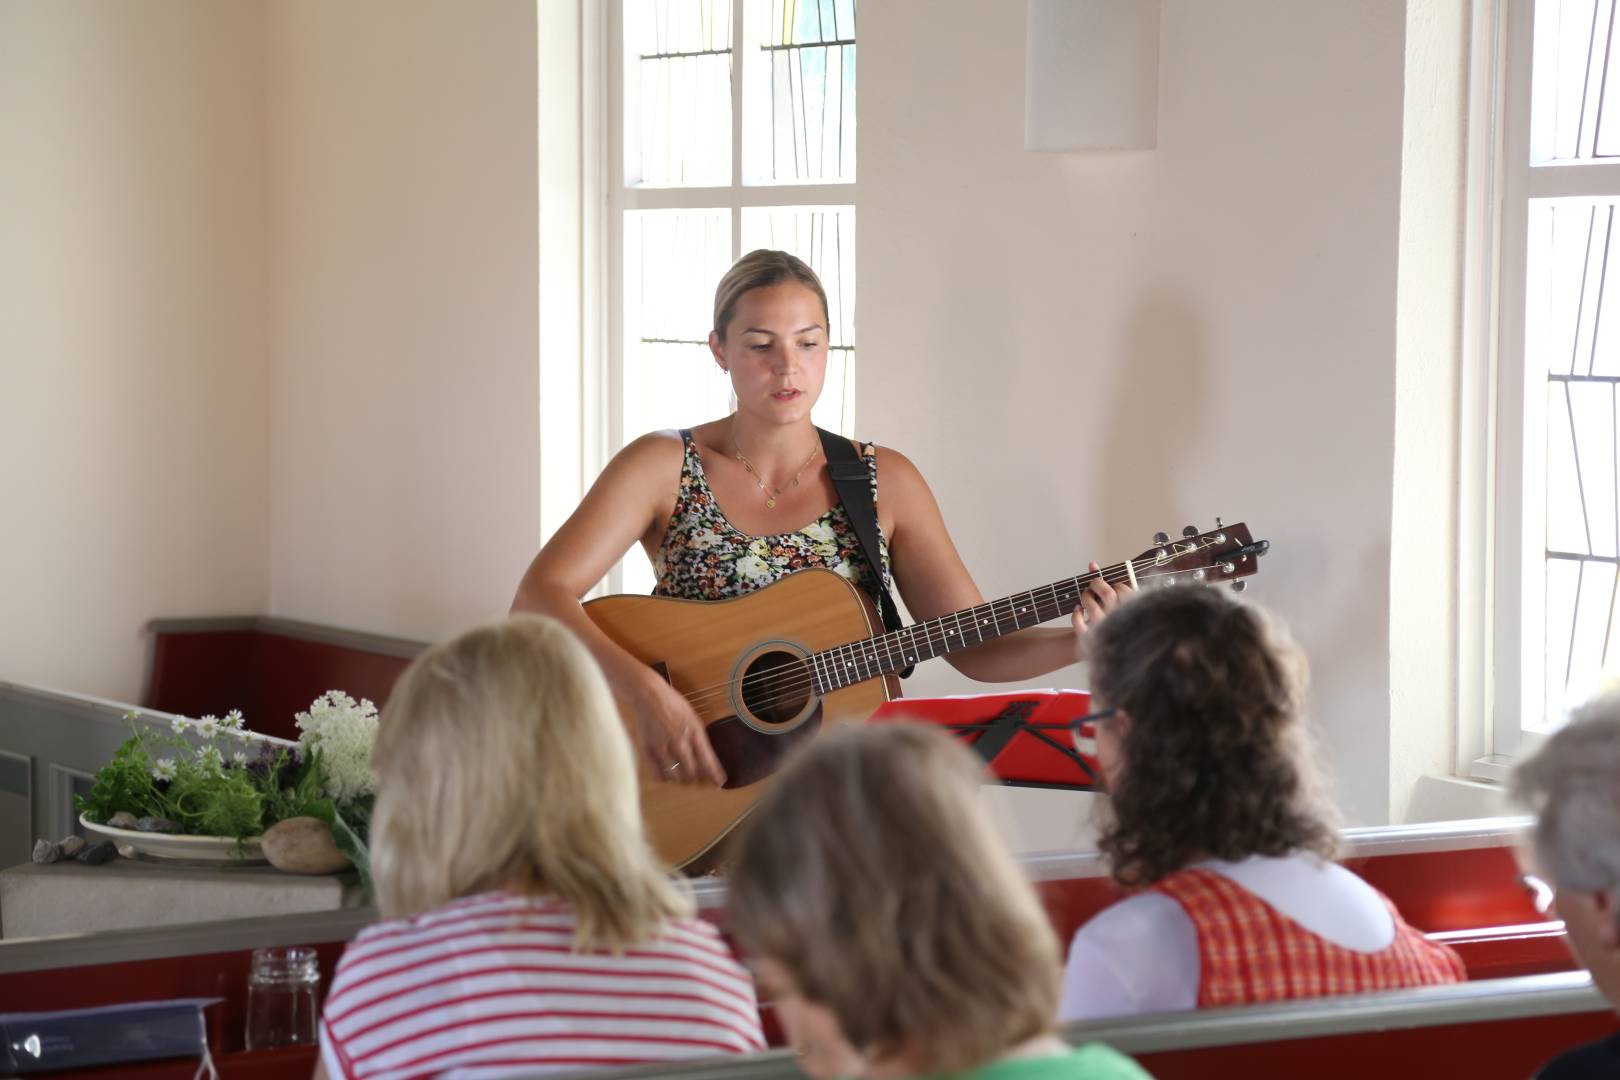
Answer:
(1573, 785)
(770, 333)
(1206, 755)
(502, 765)
(887, 918)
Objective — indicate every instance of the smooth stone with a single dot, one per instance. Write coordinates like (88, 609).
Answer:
(122, 820)
(303, 845)
(47, 851)
(71, 846)
(157, 824)
(99, 852)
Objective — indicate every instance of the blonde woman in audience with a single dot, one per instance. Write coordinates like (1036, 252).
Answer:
(527, 927)
(1573, 784)
(1218, 825)
(893, 931)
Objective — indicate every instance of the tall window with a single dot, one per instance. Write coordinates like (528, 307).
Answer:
(737, 124)
(1559, 462)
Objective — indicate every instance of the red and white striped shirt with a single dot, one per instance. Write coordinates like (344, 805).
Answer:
(491, 985)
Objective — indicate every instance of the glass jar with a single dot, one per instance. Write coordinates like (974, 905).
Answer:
(284, 992)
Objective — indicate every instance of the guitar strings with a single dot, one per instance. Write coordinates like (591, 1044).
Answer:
(799, 673)
(797, 680)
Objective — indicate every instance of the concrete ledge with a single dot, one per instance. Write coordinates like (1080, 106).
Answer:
(128, 894)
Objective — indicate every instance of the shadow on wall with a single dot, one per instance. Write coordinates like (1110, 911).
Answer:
(1155, 422)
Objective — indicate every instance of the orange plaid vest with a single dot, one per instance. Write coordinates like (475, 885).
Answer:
(1249, 952)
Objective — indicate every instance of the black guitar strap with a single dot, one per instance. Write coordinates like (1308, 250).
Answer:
(853, 481)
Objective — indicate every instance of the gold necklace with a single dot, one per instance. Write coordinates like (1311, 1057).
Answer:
(772, 494)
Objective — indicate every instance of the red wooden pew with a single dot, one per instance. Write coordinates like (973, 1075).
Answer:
(1457, 880)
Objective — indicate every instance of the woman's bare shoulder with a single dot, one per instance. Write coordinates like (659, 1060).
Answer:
(656, 451)
(894, 467)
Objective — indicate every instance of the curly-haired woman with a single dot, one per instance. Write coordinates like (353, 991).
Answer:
(1219, 826)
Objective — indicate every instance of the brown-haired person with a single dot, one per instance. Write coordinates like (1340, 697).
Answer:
(737, 503)
(891, 928)
(527, 927)
(1218, 825)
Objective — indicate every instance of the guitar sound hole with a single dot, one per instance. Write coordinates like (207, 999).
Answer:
(776, 687)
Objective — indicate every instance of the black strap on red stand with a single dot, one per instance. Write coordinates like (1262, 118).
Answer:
(991, 737)
(850, 476)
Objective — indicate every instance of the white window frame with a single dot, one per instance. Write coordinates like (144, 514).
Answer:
(623, 198)
(1501, 608)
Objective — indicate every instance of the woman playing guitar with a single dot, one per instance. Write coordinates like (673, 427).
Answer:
(781, 513)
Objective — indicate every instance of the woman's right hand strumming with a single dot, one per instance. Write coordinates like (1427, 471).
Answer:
(629, 503)
(672, 737)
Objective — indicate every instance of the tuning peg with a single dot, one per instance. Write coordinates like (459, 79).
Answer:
(1239, 586)
(1189, 531)
(1161, 538)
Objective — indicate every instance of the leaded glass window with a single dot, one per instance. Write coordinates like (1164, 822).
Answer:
(719, 157)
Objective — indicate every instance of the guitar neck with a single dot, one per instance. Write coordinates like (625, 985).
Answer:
(895, 651)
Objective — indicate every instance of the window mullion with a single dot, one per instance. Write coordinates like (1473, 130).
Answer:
(1515, 606)
(738, 37)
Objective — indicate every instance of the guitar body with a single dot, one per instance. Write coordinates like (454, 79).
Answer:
(751, 667)
(743, 663)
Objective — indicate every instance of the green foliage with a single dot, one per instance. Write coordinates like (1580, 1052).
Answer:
(124, 783)
(351, 826)
(299, 797)
(157, 775)
(210, 802)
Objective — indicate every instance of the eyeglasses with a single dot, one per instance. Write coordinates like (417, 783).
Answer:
(1541, 894)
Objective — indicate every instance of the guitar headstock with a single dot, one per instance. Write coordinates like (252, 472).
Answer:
(1225, 553)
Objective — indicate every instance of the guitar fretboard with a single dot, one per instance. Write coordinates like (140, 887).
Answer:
(888, 653)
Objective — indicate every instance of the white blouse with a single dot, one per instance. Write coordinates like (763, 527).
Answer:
(1141, 954)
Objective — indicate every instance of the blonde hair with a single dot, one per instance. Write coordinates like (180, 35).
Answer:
(501, 763)
(757, 270)
(870, 874)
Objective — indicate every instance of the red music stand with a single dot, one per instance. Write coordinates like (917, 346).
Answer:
(1027, 738)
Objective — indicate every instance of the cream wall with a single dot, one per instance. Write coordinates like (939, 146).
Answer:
(274, 342)
(1080, 349)
(402, 301)
(133, 421)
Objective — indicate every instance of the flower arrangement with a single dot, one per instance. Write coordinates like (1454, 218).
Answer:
(337, 734)
(223, 782)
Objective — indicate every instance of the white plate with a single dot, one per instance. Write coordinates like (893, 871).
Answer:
(132, 842)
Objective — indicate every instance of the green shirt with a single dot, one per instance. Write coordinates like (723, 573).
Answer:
(1094, 1061)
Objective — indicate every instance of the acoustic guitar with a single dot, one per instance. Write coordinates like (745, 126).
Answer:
(769, 671)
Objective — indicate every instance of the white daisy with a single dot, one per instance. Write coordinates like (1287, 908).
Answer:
(179, 725)
(163, 769)
(239, 759)
(211, 759)
(235, 720)
(208, 726)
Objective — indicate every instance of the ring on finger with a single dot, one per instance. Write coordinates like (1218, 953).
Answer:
(673, 767)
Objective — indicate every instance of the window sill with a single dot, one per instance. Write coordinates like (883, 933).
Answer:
(1492, 768)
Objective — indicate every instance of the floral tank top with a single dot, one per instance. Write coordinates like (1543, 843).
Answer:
(704, 557)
